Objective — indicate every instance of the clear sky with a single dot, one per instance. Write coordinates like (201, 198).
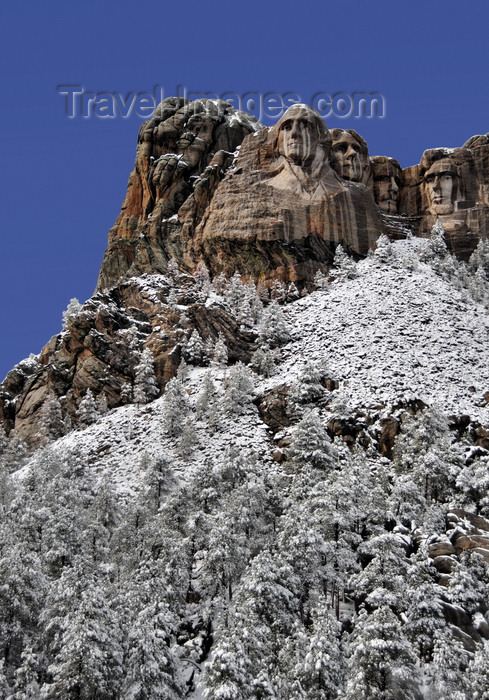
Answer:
(63, 180)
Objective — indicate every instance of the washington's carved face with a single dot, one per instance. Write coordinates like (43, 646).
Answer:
(347, 157)
(387, 178)
(298, 138)
(440, 180)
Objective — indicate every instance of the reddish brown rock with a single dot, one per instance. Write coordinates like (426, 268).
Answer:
(283, 210)
(182, 151)
(101, 347)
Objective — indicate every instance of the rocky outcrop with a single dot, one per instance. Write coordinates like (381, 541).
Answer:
(279, 208)
(101, 346)
(181, 154)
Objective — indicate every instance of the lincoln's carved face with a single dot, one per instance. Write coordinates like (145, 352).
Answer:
(347, 156)
(440, 180)
(387, 179)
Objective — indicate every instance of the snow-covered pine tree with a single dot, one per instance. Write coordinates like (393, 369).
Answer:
(263, 361)
(194, 349)
(26, 684)
(87, 412)
(51, 424)
(308, 387)
(126, 393)
(175, 408)
(202, 279)
(292, 292)
(102, 405)
(220, 356)
(447, 670)
(278, 292)
(73, 309)
(172, 269)
(477, 674)
(381, 663)
(320, 281)
(383, 249)
(238, 389)
(311, 444)
(151, 669)
(220, 283)
(343, 266)
(273, 329)
(188, 439)
(145, 385)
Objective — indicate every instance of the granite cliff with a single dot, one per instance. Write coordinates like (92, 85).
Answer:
(212, 191)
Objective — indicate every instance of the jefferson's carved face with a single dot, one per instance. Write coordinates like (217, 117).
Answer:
(298, 138)
(440, 180)
(386, 187)
(347, 157)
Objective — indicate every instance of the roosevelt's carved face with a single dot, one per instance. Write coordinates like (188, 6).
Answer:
(440, 181)
(387, 179)
(347, 156)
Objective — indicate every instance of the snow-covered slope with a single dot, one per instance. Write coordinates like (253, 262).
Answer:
(390, 335)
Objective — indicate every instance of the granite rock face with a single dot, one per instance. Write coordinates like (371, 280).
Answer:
(101, 346)
(181, 154)
(278, 208)
(210, 184)
(451, 185)
(282, 210)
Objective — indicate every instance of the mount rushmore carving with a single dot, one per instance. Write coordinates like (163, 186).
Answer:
(210, 183)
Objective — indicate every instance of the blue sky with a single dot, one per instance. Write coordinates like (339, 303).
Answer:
(63, 180)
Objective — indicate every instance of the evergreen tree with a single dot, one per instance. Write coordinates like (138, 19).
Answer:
(88, 662)
(447, 670)
(311, 444)
(308, 387)
(172, 269)
(238, 389)
(292, 292)
(87, 410)
(220, 283)
(126, 393)
(51, 424)
(176, 406)
(383, 249)
(26, 684)
(71, 311)
(150, 666)
(383, 579)
(477, 682)
(102, 406)
(344, 266)
(424, 612)
(278, 292)
(323, 670)
(145, 385)
(273, 329)
(188, 439)
(381, 662)
(227, 676)
(202, 279)
(320, 281)
(220, 356)
(263, 361)
(194, 349)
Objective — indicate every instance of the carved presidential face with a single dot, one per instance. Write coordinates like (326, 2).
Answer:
(441, 186)
(298, 138)
(348, 156)
(387, 181)
(301, 136)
